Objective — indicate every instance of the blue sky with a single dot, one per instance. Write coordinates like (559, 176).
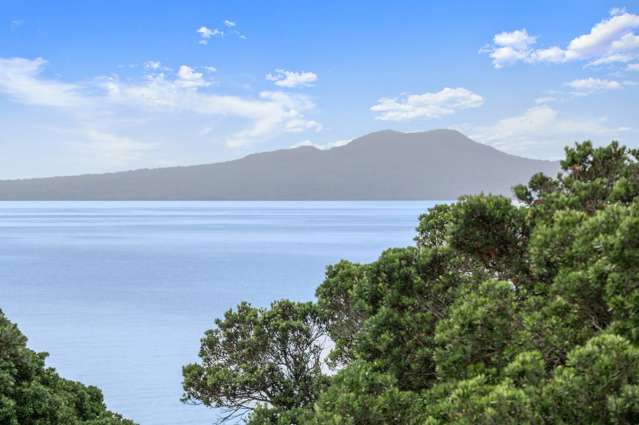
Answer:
(94, 86)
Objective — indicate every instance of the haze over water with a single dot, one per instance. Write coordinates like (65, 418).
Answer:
(120, 293)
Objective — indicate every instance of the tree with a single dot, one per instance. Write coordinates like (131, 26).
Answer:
(598, 385)
(33, 394)
(341, 308)
(398, 299)
(475, 337)
(269, 360)
(493, 231)
(360, 395)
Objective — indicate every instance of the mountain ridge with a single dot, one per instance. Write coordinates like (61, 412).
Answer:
(384, 165)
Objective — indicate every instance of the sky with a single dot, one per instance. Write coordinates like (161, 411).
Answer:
(90, 86)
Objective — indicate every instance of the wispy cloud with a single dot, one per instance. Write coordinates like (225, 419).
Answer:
(270, 112)
(207, 33)
(427, 105)
(20, 80)
(291, 79)
(188, 91)
(542, 130)
(610, 41)
(581, 87)
(592, 85)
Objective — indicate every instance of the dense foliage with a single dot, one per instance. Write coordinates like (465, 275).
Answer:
(32, 394)
(261, 357)
(503, 313)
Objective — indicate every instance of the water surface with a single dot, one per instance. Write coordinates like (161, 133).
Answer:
(119, 293)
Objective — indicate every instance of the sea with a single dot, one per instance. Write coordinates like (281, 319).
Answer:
(120, 293)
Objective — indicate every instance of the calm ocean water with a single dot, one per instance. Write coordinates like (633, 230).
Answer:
(119, 293)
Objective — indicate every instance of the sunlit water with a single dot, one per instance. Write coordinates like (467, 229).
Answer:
(119, 293)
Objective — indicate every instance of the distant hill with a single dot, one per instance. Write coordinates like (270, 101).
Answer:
(386, 165)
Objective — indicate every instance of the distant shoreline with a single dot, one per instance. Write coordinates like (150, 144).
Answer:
(386, 165)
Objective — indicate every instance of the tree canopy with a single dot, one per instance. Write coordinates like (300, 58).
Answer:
(505, 311)
(261, 357)
(33, 394)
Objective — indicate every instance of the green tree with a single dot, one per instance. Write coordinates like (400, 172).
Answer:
(33, 394)
(269, 360)
(360, 395)
(398, 299)
(598, 384)
(475, 401)
(475, 337)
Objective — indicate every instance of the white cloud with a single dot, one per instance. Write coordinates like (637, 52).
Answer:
(502, 56)
(20, 79)
(270, 113)
(322, 146)
(613, 58)
(232, 26)
(428, 105)
(338, 143)
(591, 85)
(609, 41)
(188, 78)
(298, 125)
(627, 42)
(551, 55)
(305, 143)
(290, 79)
(207, 33)
(542, 131)
(267, 115)
(509, 47)
(603, 36)
(519, 39)
(210, 69)
(633, 67)
(617, 11)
